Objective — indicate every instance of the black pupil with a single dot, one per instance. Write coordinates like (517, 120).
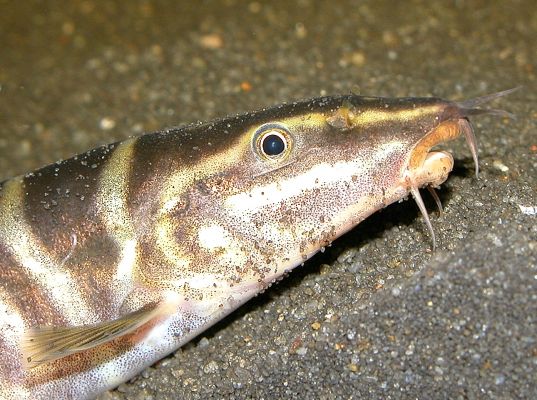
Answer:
(273, 145)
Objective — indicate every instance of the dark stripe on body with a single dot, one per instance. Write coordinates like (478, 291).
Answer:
(60, 200)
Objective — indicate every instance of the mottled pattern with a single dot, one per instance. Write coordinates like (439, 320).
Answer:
(196, 219)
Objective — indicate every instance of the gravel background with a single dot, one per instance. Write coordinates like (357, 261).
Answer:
(377, 315)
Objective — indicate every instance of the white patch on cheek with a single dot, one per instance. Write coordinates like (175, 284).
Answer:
(213, 237)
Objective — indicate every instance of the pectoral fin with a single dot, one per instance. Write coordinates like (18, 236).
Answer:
(44, 344)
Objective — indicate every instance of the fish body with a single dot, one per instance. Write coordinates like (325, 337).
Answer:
(115, 258)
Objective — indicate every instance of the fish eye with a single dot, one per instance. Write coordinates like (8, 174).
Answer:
(272, 141)
(273, 144)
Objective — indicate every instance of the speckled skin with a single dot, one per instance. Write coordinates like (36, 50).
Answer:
(196, 219)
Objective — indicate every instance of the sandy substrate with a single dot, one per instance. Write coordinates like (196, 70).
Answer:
(377, 315)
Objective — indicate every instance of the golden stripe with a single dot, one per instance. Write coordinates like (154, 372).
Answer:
(111, 202)
(58, 284)
(372, 117)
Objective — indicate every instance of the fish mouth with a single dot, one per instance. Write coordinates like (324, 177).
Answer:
(431, 168)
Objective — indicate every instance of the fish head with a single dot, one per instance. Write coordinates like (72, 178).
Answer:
(314, 170)
(272, 188)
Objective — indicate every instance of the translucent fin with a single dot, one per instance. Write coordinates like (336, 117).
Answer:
(436, 199)
(419, 201)
(468, 132)
(468, 107)
(45, 344)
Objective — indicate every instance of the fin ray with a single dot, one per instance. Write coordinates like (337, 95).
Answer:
(44, 344)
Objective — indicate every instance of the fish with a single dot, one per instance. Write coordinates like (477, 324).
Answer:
(116, 257)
